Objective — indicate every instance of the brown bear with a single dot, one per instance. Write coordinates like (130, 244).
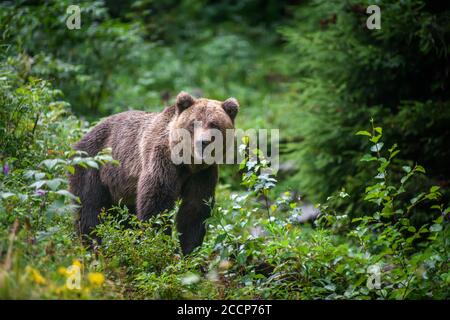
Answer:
(146, 179)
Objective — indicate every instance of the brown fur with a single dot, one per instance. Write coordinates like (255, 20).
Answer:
(146, 178)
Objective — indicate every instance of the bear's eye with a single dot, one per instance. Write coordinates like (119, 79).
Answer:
(213, 125)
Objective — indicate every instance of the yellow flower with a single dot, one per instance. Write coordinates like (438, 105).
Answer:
(36, 275)
(96, 278)
(62, 271)
(77, 263)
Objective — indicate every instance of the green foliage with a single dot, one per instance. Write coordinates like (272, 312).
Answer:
(387, 218)
(83, 63)
(26, 110)
(391, 237)
(342, 74)
(36, 209)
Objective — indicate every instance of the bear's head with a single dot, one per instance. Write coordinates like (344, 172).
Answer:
(202, 130)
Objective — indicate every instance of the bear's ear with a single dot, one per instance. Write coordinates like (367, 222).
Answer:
(231, 107)
(184, 101)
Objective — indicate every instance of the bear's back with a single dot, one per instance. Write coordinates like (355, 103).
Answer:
(122, 133)
(114, 130)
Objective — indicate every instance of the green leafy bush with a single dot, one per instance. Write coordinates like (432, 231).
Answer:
(341, 74)
(37, 239)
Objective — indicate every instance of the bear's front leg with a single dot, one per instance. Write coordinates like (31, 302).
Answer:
(195, 208)
(157, 191)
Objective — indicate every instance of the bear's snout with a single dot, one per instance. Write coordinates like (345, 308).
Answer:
(202, 144)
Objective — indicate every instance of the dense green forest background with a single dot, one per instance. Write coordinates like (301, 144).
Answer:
(364, 125)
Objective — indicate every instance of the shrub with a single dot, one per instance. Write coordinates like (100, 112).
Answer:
(342, 74)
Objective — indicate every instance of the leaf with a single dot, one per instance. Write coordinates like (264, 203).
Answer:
(50, 163)
(343, 194)
(92, 164)
(368, 157)
(70, 169)
(419, 169)
(363, 133)
(393, 154)
(220, 238)
(38, 184)
(375, 139)
(439, 220)
(330, 287)
(6, 195)
(436, 227)
(241, 258)
(53, 184)
(39, 175)
(360, 280)
(379, 130)
(393, 148)
(67, 194)
(423, 229)
(417, 198)
(380, 176)
(29, 174)
(377, 147)
(434, 189)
